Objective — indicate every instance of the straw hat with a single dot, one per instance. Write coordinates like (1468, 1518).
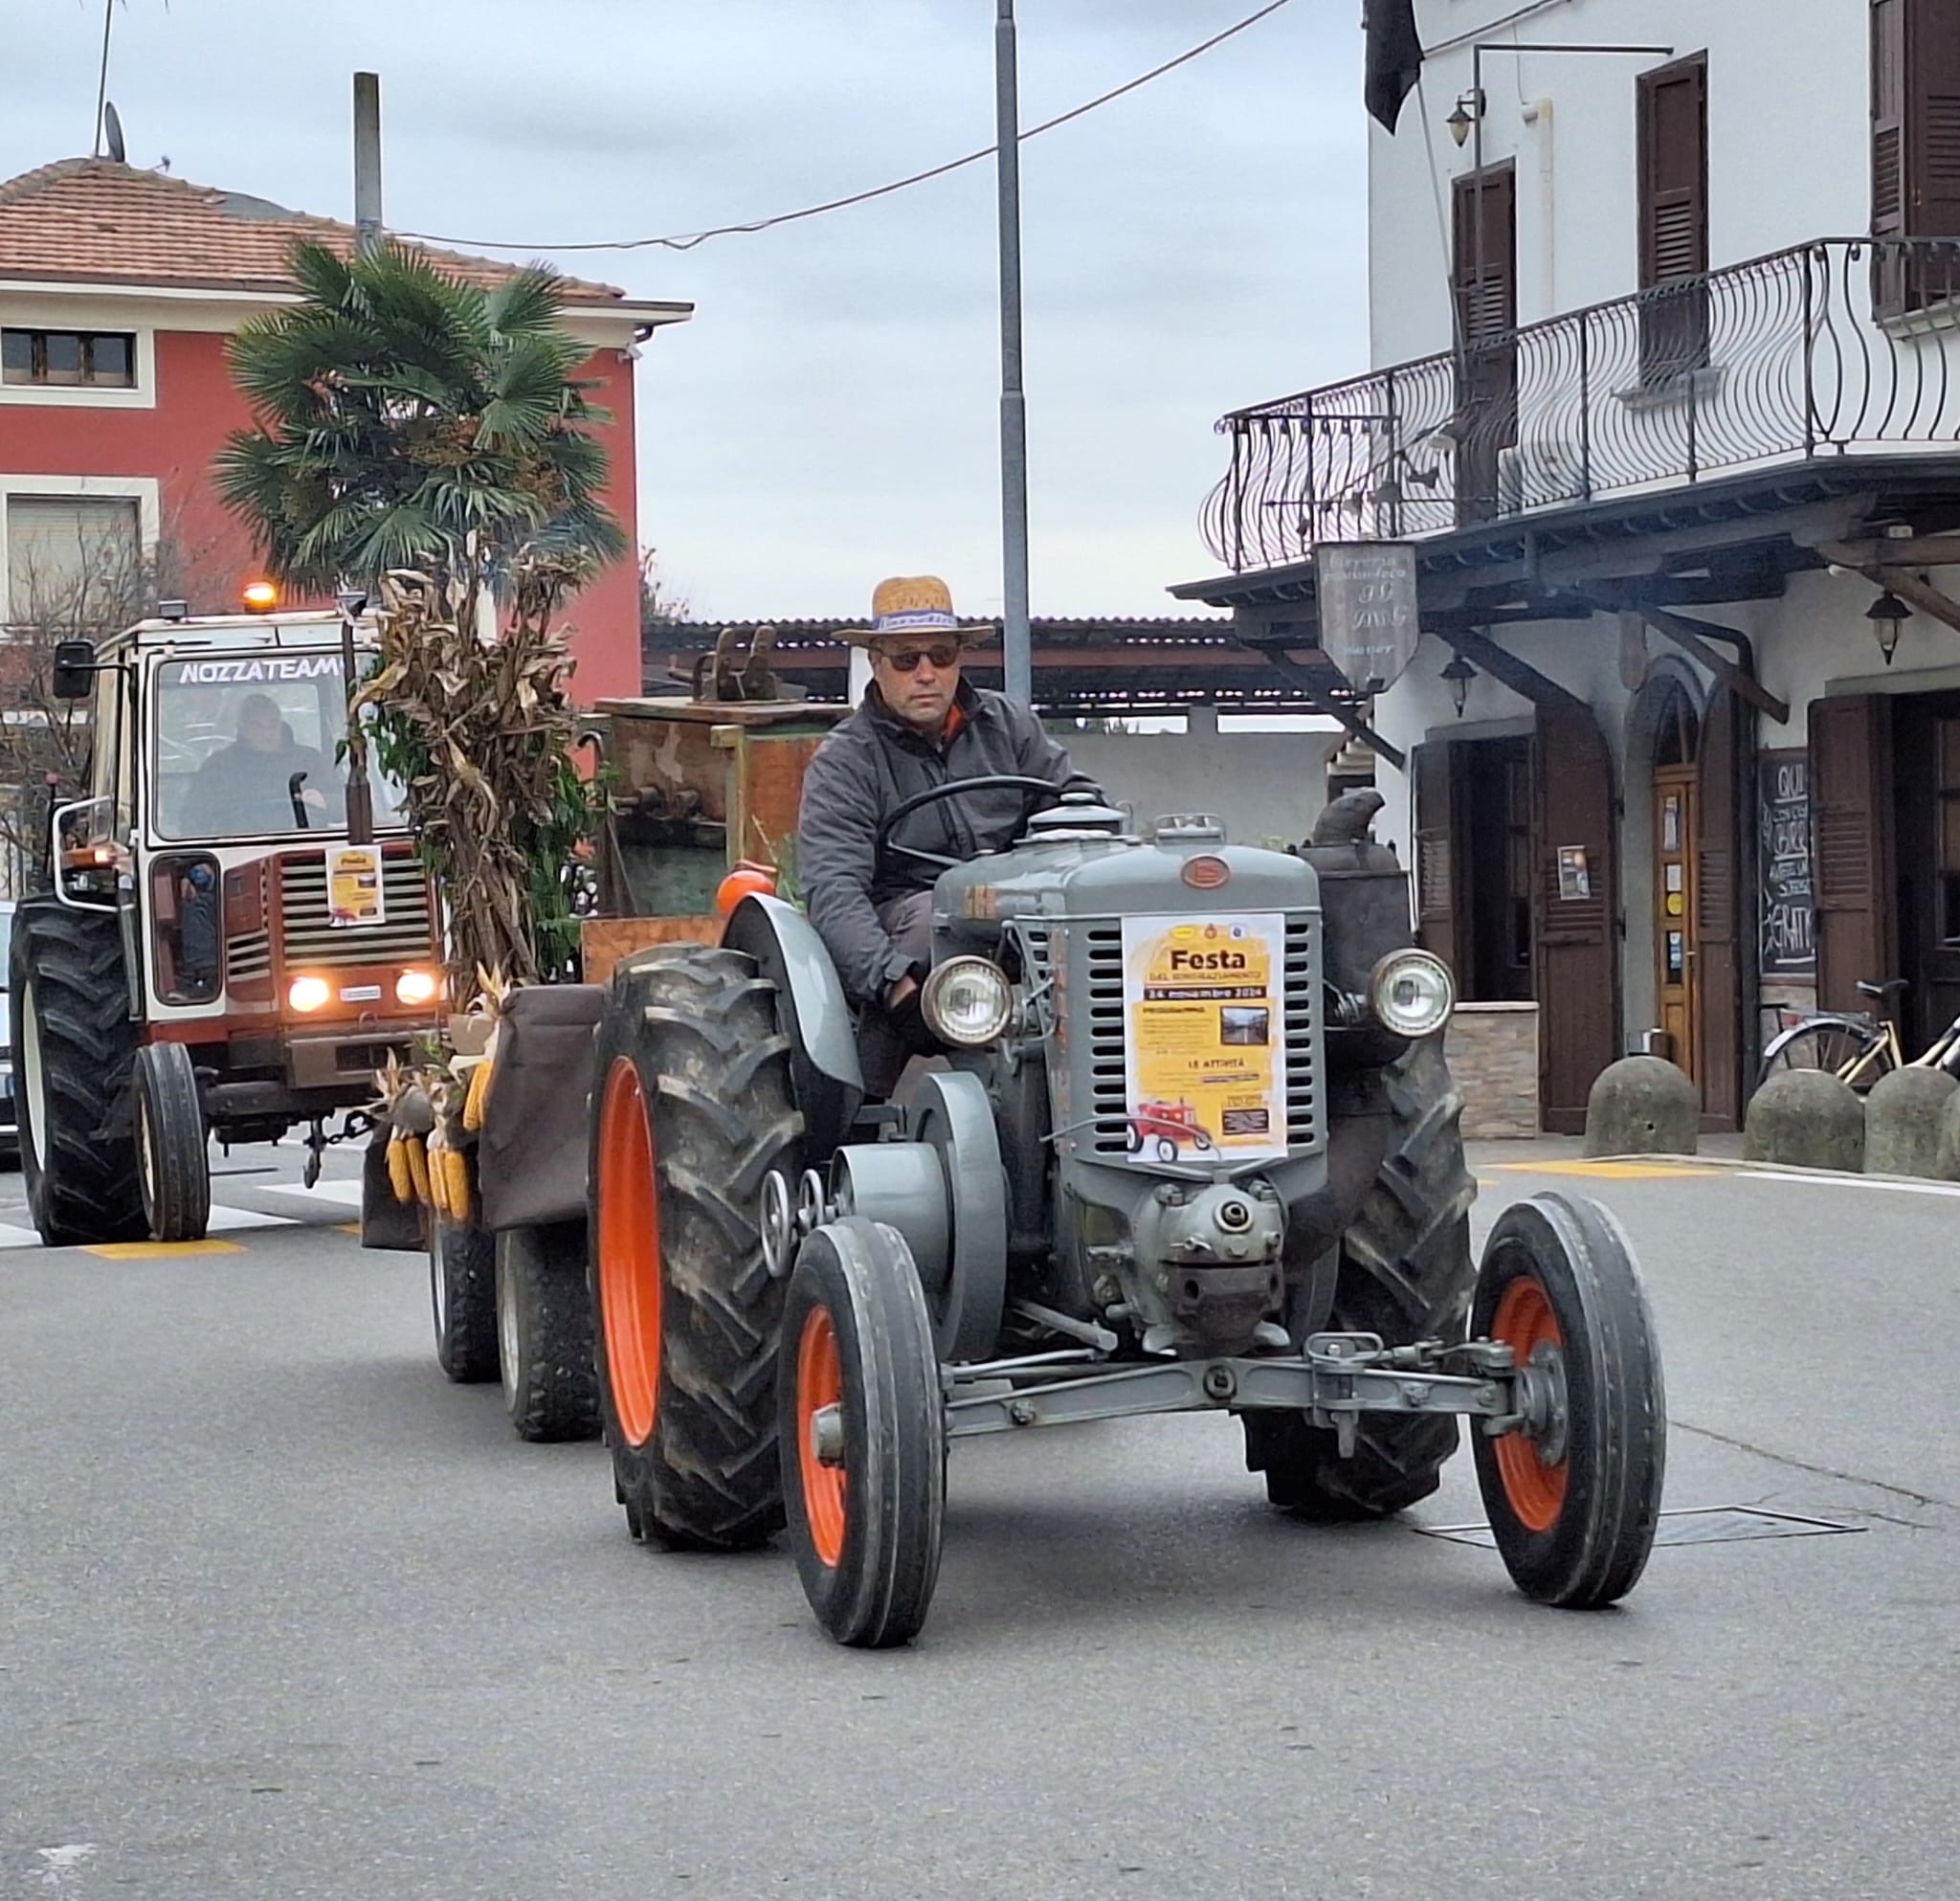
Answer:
(912, 604)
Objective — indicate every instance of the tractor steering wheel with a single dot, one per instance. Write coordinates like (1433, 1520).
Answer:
(951, 789)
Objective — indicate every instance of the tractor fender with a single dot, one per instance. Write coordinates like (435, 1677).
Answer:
(828, 1081)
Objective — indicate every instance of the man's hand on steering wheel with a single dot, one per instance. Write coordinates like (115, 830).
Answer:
(952, 789)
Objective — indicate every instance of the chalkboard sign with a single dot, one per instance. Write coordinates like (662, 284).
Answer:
(1789, 936)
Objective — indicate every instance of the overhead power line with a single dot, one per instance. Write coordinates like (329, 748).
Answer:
(690, 240)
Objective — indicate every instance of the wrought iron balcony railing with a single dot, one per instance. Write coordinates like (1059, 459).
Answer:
(1834, 348)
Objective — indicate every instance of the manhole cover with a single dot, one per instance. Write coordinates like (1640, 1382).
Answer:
(1694, 1525)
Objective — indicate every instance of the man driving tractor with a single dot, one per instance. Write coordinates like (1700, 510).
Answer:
(920, 724)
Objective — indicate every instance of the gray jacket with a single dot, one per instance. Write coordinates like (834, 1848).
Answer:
(869, 766)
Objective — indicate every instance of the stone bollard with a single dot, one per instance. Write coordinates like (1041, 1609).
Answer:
(1642, 1106)
(1947, 1159)
(1903, 1116)
(1805, 1119)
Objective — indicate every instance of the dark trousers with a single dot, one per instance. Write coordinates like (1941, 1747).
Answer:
(883, 1046)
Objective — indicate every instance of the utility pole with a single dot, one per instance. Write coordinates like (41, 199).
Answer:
(1017, 659)
(368, 234)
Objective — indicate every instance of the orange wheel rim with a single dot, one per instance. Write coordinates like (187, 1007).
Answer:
(819, 1383)
(629, 1252)
(1534, 1488)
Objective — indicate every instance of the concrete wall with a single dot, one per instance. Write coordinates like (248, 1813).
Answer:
(1788, 137)
(1263, 785)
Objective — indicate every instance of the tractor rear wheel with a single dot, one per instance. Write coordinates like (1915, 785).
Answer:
(462, 1292)
(172, 1145)
(544, 1333)
(692, 1112)
(75, 1046)
(1406, 1274)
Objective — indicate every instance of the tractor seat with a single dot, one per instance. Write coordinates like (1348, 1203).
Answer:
(1884, 993)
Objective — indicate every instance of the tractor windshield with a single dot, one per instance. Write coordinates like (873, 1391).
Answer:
(250, 744)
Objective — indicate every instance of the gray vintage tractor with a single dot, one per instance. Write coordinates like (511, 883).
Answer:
(1193, 1147)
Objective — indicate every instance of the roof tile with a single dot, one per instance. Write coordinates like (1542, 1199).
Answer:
(93, 221)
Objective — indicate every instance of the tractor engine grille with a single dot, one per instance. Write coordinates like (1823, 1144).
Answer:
(1106, 1027)
(310, 939)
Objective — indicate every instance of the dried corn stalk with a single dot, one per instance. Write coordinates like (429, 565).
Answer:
(480, 732)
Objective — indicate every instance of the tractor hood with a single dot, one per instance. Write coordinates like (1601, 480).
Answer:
(1107, 875)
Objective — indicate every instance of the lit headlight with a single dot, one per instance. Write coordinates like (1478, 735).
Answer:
(967, 1002)
(415, 987)
(1411, 993)
(308, 993)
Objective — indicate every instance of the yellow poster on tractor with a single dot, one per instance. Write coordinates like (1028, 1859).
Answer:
(1206, 1060)
(354, 894)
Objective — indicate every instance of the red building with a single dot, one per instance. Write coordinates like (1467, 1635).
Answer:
(118, 291)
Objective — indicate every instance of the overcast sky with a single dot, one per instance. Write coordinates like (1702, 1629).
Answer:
(831, 414)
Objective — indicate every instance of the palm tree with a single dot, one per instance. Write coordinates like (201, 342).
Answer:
(407, 420)
(425, 439)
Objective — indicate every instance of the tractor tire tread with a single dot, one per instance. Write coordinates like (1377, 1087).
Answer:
(81, 1171)
(703, 1029)
(1406, 1274)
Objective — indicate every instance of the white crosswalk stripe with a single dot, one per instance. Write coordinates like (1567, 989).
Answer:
(325, 1203)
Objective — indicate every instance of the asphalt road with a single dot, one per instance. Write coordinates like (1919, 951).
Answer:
(283, 1616)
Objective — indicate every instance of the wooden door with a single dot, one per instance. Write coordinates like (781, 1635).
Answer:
(1575, 931)
(1852, 857)
(1926, 758)
(1718, 884)
(1485, 283)
(1675, 972)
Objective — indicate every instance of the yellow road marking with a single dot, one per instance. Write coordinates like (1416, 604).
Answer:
(347, 1228)
(1608, 1170)
(160, 1250)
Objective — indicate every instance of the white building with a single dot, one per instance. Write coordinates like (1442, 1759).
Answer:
(1670, 405)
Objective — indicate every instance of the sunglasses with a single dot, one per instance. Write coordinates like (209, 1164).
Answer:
(907, 661)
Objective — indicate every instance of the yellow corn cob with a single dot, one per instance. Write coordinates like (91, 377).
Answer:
(399, 1179)
(456, 1170)
(477, 1095)
(418, 1167)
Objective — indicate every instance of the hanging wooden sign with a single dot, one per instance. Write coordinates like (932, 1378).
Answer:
(1369, 614)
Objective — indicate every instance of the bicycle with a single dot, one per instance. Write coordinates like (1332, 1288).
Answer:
(1856, 1047)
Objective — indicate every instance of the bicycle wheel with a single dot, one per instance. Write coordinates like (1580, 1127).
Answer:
(1840, 1046)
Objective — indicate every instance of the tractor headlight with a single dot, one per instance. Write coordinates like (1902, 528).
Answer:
(413, 987)
(1411, 993)
(309, 994)
(967, 1002)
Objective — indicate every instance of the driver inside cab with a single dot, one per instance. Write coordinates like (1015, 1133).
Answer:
(249, 785)
(921, 725)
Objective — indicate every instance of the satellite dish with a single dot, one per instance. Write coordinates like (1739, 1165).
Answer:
(112, 134)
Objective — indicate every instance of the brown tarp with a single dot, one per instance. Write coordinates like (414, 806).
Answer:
(531, 1156)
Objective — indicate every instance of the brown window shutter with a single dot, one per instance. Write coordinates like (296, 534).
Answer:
(1674, 172)
(1851, 844)
(1486, 306)
(1436, 893)
(1932, 94)
(1888, 117)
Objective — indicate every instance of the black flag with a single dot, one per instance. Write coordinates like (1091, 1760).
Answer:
(1394, 57)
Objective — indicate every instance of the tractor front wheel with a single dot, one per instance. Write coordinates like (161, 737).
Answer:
(172, 1144)
(863, 1434)
(1573, 1494)
(692, 1112)
(544, 1333)
(77, 1046)
(1406, 1273)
